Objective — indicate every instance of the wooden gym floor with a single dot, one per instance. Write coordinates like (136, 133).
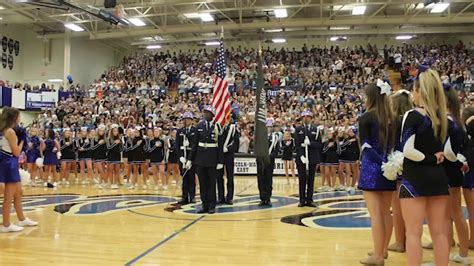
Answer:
(86, 226)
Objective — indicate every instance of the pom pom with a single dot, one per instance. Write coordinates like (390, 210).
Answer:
(394, 166)
(39, 162)
(25, 177)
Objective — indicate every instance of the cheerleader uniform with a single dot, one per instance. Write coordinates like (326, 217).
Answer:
(9, 166)
(33, 151)
(99, 151)
(50, 156)
(157, 152)
(288, 146)
(136, 153)
(172, 155)
(67, 151)
(83, 143)
(331, 158)
(469, 153)
(452, 148)
(349, 151)
(398, 139)
(113, 152)
(147, 148)
(422, 176)
(126, 147)
(371, 177)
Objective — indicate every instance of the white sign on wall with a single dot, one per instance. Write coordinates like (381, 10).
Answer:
(248, 166)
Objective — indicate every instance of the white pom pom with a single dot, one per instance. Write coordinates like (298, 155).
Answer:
(39, 162)
(25, 177)
(394, 166)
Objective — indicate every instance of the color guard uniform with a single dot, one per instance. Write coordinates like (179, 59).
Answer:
(231, 146)
(184, 139)
(265, 169)
(307, 137)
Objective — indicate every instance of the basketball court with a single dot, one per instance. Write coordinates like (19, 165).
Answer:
(85, 226)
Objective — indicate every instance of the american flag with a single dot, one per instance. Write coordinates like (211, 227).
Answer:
(221, 95)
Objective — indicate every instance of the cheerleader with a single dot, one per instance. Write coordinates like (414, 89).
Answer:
(340, 148)
(401, 103)
(468, 185)
(331, 158)
(156, 149)
(127, 144)
(68, 155)
(99, 155)
(50, 148)
(172, 159)
(424, 131)
(455, 165)
(136, 156)
(11, 145)
(149, 136)
(33, 153)
(376, 138)
(114, 147)
(84, 156)
(325, 173)
(288, 147)
(349, 155)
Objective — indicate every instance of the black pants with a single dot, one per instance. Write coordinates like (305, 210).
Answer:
(265, 178)
(306, 182)
(189, 184)
(229, 171)
(207, 185)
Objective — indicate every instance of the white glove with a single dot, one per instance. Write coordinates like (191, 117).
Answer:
(226, 150)
(219, 166)
(185, 143)
(182, 160)
(189, 164)
(304, 160)
(306, 141)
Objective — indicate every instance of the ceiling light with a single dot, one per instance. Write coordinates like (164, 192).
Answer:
(192, 15)
(439, 7)
(280, 13)
(206, 17)
(338, 38)
(358, 10)
(430, 5)
(340, 28)
(154, 46)
(272, 30)
(73, 27)
(137, 22)
(279, 40)
(404, 37)
(2, 8)
(55, 80)
(212, 43)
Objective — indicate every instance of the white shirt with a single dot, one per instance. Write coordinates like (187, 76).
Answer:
(398, 58)
(4, 144)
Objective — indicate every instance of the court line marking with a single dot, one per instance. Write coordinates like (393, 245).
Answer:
(245, 188)
(207, 220)
(137, 258)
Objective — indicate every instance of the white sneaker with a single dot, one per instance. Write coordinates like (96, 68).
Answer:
(45, 184)
(165, 187)
(55, 184)
(27, 222)
(96, 181)
(11, 228)
(459, 259)
(101, 186)
(114, 186)
(144, 187)
(157, 187)
(131, 187)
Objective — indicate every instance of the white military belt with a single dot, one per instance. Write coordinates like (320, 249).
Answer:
(207, 145)
(185, 148)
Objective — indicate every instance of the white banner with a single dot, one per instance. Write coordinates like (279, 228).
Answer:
(44, 96)
(18, 99)
(248, 166)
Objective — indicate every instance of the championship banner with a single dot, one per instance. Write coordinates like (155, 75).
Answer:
(18, 99)
(248, 166)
